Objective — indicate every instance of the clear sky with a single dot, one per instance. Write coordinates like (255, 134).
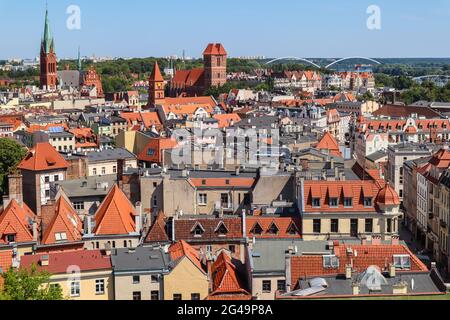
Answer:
(273, 28)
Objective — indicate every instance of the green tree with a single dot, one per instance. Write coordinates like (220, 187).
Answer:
(11, 153)
(29, 284)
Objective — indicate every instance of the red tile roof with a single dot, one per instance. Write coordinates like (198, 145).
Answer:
(66, 221)
(158, 232)
(115, 215)
(441, 159)
(365, 256)
(211, 228)
(225, 120)
(288, 227)
(17, 219)
(60, 262)
(151, 119)
(355, 189)
(215, 49)
(328, 142)
(6, 257)
(182, 249)
(156, 75)
(388, 196)
(153, 151)
(43, 157)
(225, 278)
(188, 78)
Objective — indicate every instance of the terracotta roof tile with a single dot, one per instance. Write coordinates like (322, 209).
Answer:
(158, 232)
(17, 219)
(59, 262)
(225, 278)
(43, 157)
(286, 227)
(115, 215)
(66, 221)
(366, 255)
(211, 229)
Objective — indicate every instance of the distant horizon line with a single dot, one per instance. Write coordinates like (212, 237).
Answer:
(244, 57)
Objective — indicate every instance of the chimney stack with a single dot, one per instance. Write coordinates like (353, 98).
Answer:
(244, 224)
(138, 217)
(15, 187)
(48, 213)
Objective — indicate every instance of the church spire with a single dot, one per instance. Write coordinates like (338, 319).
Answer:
(79, 59)
(47, 40)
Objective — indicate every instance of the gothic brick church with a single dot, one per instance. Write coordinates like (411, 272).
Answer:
(196, 81)
(51, 78)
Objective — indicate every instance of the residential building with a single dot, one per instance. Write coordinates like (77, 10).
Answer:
(139, 273)
(40, 167)
(81, 274)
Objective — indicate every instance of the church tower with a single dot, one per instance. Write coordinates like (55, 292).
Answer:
(155, 87)
(48, 61)
(215, 64)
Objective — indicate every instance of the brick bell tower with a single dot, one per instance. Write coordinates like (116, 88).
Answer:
(48, 61)
(155, 87)
(215, 64)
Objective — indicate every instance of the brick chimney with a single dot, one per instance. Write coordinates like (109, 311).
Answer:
(395, 240)
(376, 240)
(48, 213)
(120, 169)
(15, 187)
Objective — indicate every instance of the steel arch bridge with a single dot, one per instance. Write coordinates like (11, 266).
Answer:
(294, 58)
(318, 66)
(434, 76)
(350, 58)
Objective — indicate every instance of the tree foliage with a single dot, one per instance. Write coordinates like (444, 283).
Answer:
(29, 284)
(11, 153)
(427, 91)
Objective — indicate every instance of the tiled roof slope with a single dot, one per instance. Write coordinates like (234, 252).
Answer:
(43, 157)
(115, 215)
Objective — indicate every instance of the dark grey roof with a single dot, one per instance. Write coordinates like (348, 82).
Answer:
(150, 259)
(109, 155)
(269, 255)
(69, 78)
(377, 155)
(423, 283)
(87, 187)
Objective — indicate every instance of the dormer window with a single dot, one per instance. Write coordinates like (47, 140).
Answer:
(367, 202)
(330, 262)
(10, 238)
(316, 202)
(221, 230)
(256, 229)
(334, 202)
(198, 230)
(348, 202)
(273, 229)
(292, 230)
(402, 261)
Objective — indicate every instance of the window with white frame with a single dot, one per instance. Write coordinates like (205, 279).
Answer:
(330, 261)
(202, 199)
(402, 261)
(78, 205)
(75, 289)
(100, 286)
(60, 236)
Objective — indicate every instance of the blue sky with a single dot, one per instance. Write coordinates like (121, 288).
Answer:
(273, 28)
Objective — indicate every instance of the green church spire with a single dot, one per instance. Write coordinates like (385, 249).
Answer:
(47, 41)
